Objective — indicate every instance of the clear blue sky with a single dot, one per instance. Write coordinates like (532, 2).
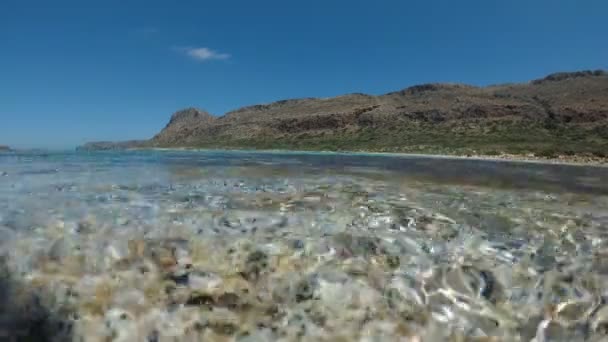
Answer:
(73, 71)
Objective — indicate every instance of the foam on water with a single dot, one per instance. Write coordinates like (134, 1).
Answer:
(247, 246)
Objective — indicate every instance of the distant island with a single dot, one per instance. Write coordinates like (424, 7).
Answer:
(111, 145)
(563, 114)
(4, 148)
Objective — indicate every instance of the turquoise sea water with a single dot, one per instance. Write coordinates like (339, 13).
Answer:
(361, 247)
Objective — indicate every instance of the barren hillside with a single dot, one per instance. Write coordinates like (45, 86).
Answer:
(561, 113)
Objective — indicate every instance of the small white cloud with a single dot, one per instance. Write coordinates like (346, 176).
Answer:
(203, 54)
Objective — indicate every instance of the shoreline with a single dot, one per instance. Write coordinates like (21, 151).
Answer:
(574, 160)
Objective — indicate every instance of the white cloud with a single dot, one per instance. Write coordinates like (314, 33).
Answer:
(203, 54)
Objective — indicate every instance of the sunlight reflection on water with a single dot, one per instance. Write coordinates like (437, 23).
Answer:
(270, 245)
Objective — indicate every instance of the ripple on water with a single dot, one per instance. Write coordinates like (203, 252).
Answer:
(141, 249)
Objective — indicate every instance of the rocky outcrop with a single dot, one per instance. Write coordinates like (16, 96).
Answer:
(560, 76)
(183, 124)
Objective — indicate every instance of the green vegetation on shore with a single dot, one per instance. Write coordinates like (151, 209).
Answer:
(504, 139)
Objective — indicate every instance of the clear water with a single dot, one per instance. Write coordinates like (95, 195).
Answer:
(157, 246)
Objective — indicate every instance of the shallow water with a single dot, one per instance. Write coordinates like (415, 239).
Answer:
(153, 246)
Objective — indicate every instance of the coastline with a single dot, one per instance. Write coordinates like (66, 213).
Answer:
(571, 160)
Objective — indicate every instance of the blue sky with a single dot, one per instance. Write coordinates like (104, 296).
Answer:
(75, 71)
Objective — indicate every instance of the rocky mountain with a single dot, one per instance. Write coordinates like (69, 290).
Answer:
(561, 113)
(180, 124)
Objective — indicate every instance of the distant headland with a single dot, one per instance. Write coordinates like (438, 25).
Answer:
(563, 114)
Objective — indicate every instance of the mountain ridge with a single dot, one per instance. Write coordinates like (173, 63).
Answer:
(566, 108)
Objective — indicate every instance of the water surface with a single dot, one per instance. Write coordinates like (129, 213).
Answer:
(269, 246)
